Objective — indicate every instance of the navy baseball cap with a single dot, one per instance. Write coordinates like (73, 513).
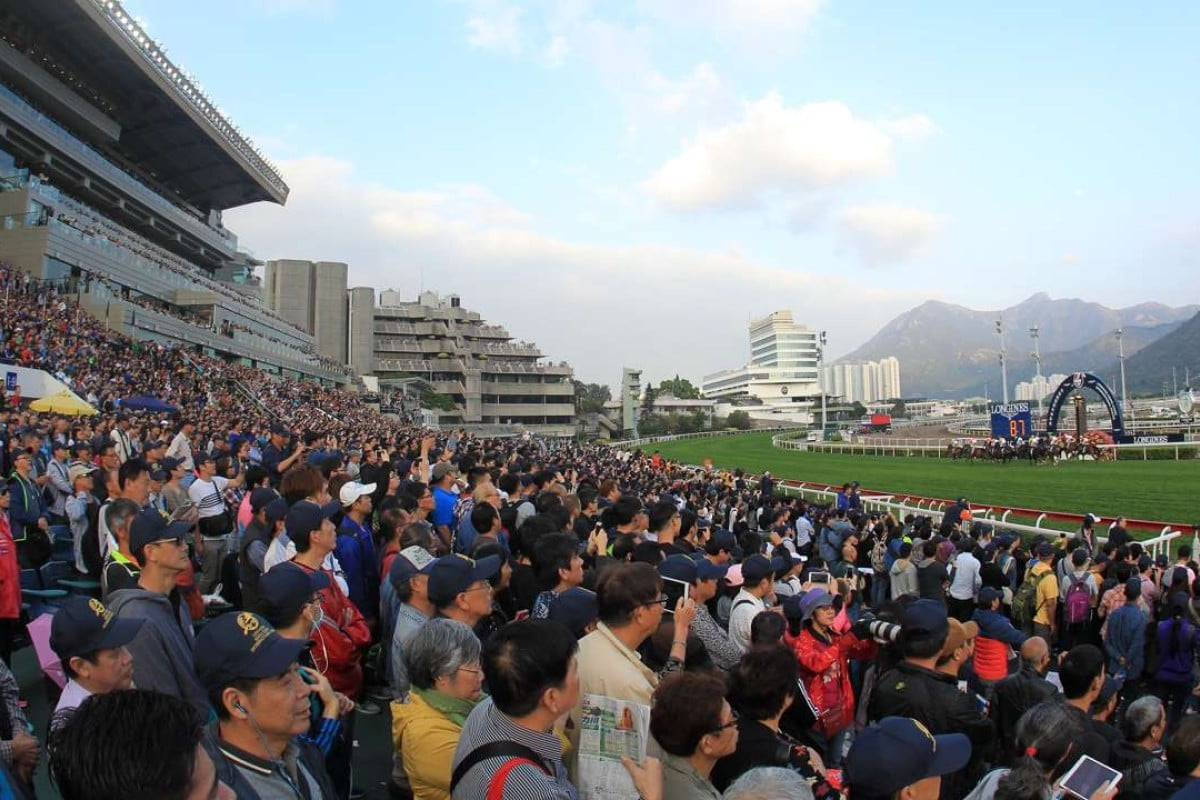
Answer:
(410, 561)
(681, 568)
(575, 609)
(284, 589)
(925, 619)
(755, 568)
(306, 517)
(987, 594)
(725, 540)
(453, 575)
(151, 526)
(170, 464)
(241, 645)
(279, 429)
(276, 510)
(781, 563)
(899, 752)
(261, 497)
(83, 625)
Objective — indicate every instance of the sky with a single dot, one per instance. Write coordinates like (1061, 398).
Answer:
(628, 183)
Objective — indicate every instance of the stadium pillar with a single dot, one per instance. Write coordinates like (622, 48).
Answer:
(1039, 389)
(1125, 409)
(1003, 366)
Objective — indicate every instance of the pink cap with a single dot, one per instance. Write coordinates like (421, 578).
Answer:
(734, 576)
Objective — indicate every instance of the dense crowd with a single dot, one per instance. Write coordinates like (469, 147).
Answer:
(274, 559)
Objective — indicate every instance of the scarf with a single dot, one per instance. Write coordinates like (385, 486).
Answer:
(452, 708)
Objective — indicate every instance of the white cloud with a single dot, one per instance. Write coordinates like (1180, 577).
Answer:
(495, 25)
(757, 23)
(883, 234)
(556, 52)
(772, 148)
(913, 128)
(599, 307)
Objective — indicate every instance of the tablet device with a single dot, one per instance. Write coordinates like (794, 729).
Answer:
(1087, 776)
(686, 588)
(818, 577)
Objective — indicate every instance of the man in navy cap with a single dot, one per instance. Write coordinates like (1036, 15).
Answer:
(346, 633)
(261, 698)
(460, 588)
(702, 578)
(277, 457)
(577, 610)
(90, 641)
(255, 541)
(162, 648)
(409, 575)
(899, 759)
(757, 588)
(916, 689)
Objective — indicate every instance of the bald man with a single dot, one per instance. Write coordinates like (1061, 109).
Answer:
(1020, 692)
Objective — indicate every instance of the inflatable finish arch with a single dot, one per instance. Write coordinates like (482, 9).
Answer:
(1085, 380)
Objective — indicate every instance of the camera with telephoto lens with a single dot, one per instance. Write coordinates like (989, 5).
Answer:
(877, 629)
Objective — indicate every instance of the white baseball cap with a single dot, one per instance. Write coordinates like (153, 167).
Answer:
(354, 490)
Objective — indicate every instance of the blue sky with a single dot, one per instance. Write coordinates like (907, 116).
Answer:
(626, 183)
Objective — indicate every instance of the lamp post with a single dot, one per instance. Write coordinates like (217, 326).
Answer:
(1039, 390)
(821, 380)
(1125, 409)
(1003, 365)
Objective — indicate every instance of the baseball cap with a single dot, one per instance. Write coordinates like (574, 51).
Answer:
(793, 607)
(755, 568)
(284, 589)
(734, 576)
(352, 490)
(242, 645)
(276, 510)
(1044, 549)
(899, 752)
(925, 619)
(83, 625)
(725, 540)
(987, 595)
(306, 517)
(575, 609)
(442, 469)
(79, 470)
(410, 561)
(150, 526)
(279, 429)
(160, 475)
(682, 568)
(960, 634)
(261, 497)
(170, 464)
(453, 575)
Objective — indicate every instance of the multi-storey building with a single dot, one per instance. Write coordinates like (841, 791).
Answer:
(434, 344)
(865, 382)
(311, 295)
(1038, 387)
(782, 372)
(116, 169)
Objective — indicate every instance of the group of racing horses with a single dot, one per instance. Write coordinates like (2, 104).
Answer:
(1043, 448)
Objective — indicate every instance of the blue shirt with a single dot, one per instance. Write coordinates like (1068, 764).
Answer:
(443, 509)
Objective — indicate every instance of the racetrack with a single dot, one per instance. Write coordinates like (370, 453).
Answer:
(1152, 490)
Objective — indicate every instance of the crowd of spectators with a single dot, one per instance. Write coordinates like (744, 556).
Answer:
(485, 591)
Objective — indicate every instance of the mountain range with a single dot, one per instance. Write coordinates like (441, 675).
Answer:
(948, 350)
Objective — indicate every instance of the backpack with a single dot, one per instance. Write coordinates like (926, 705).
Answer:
(879, 557)
(1078, 602)
(1025, 604)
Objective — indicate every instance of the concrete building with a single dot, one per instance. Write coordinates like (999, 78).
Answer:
(312, 296)
(361, 327)
(497, 385)
(864, 382)
(120, 202)
(630, 400)
(782, 375)
(1038, 387)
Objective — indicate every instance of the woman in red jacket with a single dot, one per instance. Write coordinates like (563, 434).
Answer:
(10, 580)
(824, 656)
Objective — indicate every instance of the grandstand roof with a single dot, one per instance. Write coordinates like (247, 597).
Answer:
(92, 58)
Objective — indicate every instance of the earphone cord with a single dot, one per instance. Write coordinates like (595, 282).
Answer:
(280, 767)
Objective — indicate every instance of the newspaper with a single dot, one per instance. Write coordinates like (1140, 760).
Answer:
(608, 729)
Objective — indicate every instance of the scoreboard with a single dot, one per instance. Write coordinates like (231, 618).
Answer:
(1011, 420)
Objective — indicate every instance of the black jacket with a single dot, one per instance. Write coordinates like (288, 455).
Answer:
(933, 699)
(1012, 697)
(1137, 765)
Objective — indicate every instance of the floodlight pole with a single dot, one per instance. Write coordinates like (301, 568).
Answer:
(821, 381)
(1003, 365)
(1125, 409)
(1039, 389)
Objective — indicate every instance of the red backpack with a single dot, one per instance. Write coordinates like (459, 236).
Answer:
(1078, 602)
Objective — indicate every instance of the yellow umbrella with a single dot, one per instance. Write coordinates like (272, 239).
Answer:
(65, 402)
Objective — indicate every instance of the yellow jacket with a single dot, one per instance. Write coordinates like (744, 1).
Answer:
(426, 741)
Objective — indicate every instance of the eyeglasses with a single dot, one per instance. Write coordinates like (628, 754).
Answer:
(473, 670)
(661, 601)
(733, 721)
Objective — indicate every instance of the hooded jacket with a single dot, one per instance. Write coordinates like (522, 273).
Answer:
(903, 578)
(162, 649)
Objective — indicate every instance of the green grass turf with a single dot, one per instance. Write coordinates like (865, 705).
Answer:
(1151, 490)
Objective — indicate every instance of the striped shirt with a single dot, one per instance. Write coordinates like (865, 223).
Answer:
(209, 496)
(527, 781)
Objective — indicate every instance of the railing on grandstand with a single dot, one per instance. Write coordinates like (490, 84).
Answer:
(1160, 543)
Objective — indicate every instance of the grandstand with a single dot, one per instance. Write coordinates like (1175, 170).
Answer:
(115, 170)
